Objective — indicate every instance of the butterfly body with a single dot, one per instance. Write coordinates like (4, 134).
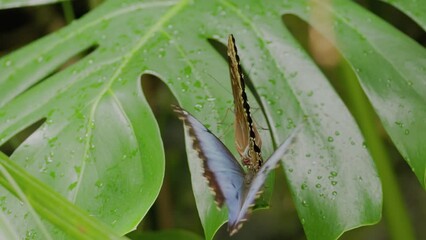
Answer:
(247, 139)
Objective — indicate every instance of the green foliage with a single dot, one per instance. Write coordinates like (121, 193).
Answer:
(50, 205)
(24, 3)
(99, 145)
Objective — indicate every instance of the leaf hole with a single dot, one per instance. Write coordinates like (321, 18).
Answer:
(175, 190)
(9, 146)
(397, 19)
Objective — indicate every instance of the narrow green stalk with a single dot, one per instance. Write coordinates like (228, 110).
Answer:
(395, 212)
(68, 11)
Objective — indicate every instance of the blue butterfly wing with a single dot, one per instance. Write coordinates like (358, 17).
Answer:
(253, 190)
(224, 174)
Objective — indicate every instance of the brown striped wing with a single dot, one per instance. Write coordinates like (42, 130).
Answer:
(247, 138)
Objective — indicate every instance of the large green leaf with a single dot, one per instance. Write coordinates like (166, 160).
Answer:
(99, 144)
(391, 70)
(24, 3)
(49, 204)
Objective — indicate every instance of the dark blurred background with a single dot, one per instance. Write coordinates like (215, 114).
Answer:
(175, 207)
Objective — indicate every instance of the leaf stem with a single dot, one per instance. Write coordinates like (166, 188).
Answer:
(395, 212)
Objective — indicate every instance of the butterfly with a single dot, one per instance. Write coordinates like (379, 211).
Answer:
(247, 139)
(225, 176)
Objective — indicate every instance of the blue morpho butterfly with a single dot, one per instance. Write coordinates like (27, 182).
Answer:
(226, 177)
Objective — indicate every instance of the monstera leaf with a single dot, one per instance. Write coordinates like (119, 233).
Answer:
(99, 145)
(24, 3)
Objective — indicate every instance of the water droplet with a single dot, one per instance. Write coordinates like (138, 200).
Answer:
(318, 185)
(302, 221)
(197, 84)
(334, 193)
(333, 183)
(333, 173)
(304, 186)
(337, 133)
(48, 159)
(308, 155)
(184, 87)
(304, 203)
(198, 107)
(407, 132)
(99, 184)
(290, 170)
(319, 177)
(309, 171)
(400, 124)
(72, 186)
(330, 139)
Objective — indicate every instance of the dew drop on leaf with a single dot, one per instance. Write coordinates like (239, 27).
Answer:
(99, 184)
(72, 186)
